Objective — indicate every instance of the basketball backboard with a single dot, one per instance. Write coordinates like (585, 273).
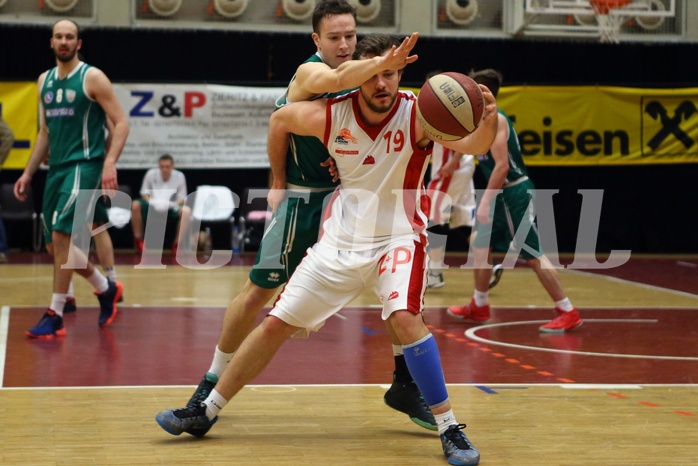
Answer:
(606, 20)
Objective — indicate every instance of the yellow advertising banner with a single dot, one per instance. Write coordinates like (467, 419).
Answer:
(603, 125)
(19, 109)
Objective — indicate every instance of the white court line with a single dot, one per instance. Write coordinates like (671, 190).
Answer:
(470, 333)
(494, 385)
(4, 325)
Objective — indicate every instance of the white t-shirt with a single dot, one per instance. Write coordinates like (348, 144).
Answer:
(161, 191)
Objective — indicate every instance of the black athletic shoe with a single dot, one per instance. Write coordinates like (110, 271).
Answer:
(107, 303)
(70, 306)
(191, 420)
(203, 390)
(457, 448)
(406, 398)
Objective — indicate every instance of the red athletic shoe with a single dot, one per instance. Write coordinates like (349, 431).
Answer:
(470, 312)
(139, 245)
(564, 322)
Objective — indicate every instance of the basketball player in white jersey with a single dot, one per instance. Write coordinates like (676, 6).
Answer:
(452, 197)
(374, 237)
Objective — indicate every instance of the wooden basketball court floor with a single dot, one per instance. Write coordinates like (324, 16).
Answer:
(621, 390)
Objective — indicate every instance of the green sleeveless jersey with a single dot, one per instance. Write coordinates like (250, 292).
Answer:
(305, 153)
(517, 168)
(76, 123)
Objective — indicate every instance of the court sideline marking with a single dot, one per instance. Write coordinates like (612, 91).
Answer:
(4, 332)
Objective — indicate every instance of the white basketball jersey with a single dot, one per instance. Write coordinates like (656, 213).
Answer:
(381, 200)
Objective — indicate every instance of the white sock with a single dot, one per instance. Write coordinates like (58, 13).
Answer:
(564, 305)
(397, 350)
(445, 420)
(214, 404)
(98, 281)
(220, 362)
(71, 291)
(110, 272)
(57, 303)
(481, 298)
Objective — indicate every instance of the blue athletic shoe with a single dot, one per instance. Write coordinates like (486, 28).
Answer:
(191, 420)
(457, 448)
(50, 326)
(107, 303)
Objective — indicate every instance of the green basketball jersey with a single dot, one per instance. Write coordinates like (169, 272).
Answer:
(76, 123)
(305, 153)
(517, 168)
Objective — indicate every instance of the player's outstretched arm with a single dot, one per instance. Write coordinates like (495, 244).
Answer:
(313, 79)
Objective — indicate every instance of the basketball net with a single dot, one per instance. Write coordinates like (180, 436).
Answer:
(609, 24)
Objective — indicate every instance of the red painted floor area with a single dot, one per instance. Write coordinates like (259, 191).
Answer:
(173, 346)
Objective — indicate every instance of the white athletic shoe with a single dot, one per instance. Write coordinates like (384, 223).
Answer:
(497, 272)
(435, 280)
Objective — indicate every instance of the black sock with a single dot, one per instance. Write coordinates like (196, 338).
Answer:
(402, 373)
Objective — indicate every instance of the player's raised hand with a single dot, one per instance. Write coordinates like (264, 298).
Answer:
(398, 57)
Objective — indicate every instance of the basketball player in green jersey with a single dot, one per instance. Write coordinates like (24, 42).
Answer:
(75, 101)
(507, 179)
(300, 185)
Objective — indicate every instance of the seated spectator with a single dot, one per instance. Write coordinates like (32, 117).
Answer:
(163, 189)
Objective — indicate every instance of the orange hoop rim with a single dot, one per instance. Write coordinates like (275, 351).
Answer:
(602, 7)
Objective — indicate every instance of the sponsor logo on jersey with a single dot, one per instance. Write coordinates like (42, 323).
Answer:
(273, 277)
(60, 112)
(342, 152)
(345, 137)
(70, 95)
(393, 295)
(369, 160)
(48, 97)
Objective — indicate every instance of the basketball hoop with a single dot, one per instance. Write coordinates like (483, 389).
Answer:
(609, 23)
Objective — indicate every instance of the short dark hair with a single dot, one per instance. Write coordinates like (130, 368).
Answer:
(327, 8)
(375, 45)
(166, 157)
(77, 27)
(490, 78)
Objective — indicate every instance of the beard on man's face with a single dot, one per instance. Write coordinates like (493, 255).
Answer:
(65, 56)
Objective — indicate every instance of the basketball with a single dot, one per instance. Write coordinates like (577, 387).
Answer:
(450, 106)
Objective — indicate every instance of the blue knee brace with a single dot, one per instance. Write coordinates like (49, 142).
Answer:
(423, 361)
